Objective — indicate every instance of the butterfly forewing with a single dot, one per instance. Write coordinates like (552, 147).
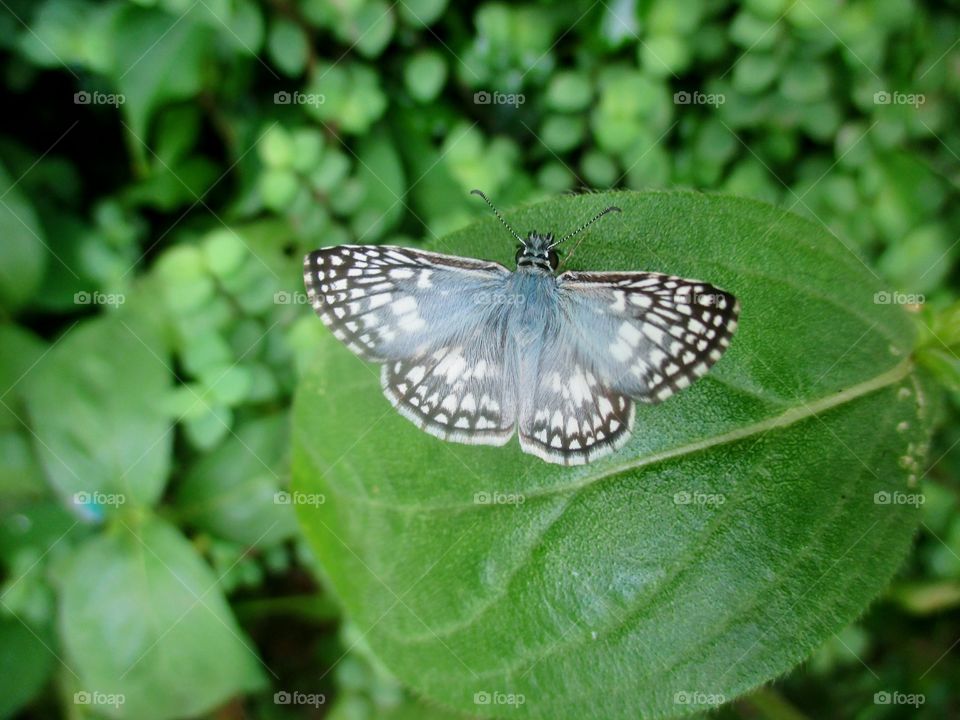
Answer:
(387, 302)
(649, 335)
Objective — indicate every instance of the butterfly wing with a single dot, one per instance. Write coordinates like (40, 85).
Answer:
(650, 335)
(428, 319)
(575, 416)
(624, 336)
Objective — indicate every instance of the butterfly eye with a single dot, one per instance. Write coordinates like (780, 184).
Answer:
(519, 253)
(554, 259)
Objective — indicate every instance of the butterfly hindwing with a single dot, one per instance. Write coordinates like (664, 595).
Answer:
(457, 392)
(575, 417)
(648, 335)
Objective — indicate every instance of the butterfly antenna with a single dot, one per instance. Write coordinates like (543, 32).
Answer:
(612, 208)
(579, 230)
(497, 213)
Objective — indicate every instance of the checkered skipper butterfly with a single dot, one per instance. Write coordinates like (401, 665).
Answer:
(472, 352)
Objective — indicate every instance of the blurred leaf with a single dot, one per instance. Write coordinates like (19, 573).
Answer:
(288, 46)
(70, 32)
(158, 58)
(792, 439)
(232, 492)
(141, 615)
(421, 12)
(23, 256)
(424, 75)
(26, 663)
(94, 403)
(384, 183)
(347, 95)
(370, 28)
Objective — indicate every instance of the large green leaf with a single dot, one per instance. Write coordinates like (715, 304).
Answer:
(731, 536)
(142, 617)
(95, 405)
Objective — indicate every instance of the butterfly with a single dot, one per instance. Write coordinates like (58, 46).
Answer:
(472, 352)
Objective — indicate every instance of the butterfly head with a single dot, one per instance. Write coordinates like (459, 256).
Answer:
(537, 253)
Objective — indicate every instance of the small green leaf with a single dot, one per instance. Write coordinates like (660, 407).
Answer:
(424, 75)
(142, 616)
(421, 12)
(288, 46)
(233, 491)
(748, 518)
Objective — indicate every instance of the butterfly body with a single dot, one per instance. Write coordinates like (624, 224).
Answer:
(472, 352)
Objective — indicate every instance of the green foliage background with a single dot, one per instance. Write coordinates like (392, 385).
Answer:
(164, 165)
